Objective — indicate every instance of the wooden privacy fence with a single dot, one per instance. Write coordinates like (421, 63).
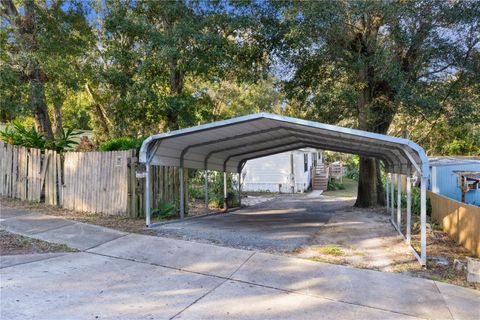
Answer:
(165, 188)
(461, 221)
(28, 173)
(97, 182)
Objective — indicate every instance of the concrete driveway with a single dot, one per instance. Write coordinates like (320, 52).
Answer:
(279, 225)
(131, 276)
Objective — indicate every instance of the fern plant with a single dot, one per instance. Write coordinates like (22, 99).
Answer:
(165, 210)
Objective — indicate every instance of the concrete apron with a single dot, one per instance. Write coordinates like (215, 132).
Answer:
(135, 276)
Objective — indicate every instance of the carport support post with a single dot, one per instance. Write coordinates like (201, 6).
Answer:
(225, 191)
(409, 209)
(392, 196)
(206, 190)
(387, 191)
(399, 201)
(182, 197)
(239, 189)
(147, 195)
(423, 220)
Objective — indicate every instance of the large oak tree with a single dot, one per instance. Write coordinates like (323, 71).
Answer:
(362, 63)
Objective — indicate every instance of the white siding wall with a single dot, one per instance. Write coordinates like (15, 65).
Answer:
(273, 173)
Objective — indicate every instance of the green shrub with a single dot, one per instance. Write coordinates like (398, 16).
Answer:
(335, 185)
(165, 210)
(17, 133)
(352, 167)
(65, 142)
(124, 143)
(215, 200)
(195, 192)
(415, 201)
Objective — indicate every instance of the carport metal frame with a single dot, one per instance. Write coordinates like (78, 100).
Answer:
(282, 134)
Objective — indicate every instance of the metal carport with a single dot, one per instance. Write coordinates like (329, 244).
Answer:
(227, 145)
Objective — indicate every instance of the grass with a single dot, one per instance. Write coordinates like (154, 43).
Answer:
(350, 190)
(331, 250)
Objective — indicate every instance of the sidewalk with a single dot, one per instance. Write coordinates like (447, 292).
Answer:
(130, 276)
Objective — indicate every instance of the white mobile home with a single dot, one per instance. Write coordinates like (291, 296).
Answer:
(284, 172)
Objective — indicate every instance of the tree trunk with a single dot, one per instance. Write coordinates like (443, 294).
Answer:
(176, 89)
(25, 29)
(38, 105)
(58, 98)
(101, 114)
(367, 183)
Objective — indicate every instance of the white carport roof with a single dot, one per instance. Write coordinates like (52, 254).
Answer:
(226, 145)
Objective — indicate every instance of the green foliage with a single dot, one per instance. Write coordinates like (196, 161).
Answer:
(352, 166)
(139, 67)
(195, 192)
(165, 210)
(415, 201)
(124, 143)
(335, 185)
(64, 141)
(215, 188)
(17, 133)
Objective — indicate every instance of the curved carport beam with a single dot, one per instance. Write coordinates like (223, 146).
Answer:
(305, 144)
(205, 161)
(300, 134)
(354, 145)
(297, 133)
(249, 134)
(308, 143)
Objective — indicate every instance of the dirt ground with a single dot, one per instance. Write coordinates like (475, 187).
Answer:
(121, 223)
(13, 244)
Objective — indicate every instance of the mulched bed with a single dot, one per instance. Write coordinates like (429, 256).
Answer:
(13, 244)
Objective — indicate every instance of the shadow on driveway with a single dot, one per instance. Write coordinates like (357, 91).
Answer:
(279, 225)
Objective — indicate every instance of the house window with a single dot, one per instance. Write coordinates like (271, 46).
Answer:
(314, 158)
(305, 162)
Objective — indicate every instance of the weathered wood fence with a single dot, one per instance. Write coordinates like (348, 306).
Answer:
(461, 221)
(96, 182)
(27, 174)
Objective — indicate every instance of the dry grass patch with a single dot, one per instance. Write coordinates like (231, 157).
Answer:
(121, 223)
(14, 244)
(332, 250)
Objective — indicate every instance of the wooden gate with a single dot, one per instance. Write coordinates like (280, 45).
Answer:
(24, 172)
(97, 181)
